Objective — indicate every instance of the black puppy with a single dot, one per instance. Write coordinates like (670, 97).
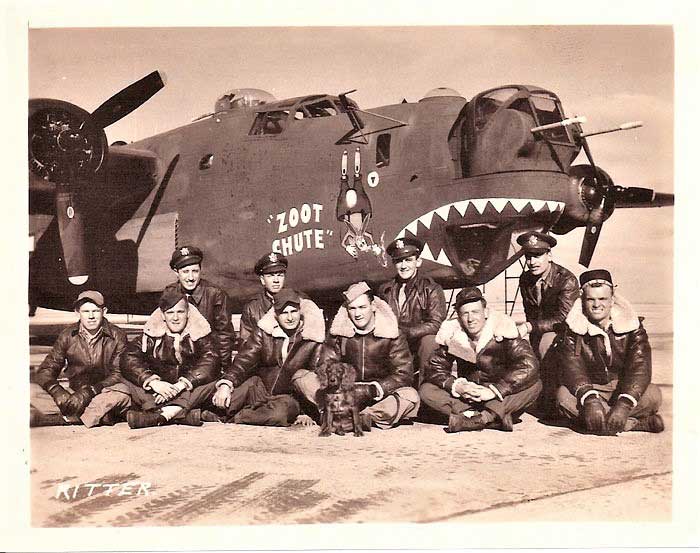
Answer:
(340, 413)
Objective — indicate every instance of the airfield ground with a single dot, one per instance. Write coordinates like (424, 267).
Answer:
(233, 474)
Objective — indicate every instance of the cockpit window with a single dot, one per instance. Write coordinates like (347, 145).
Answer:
(548, 110)
(323, 108)
(269, 122)
(487, 105)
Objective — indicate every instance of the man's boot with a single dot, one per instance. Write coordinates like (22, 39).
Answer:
(37, 418)
(210, 416)
(144, 419)
(460, 423)
(192, 418)
(653, 423)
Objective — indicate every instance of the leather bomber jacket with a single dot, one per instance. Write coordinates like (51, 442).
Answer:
(213, 303)
(70, 349)
(509, 364)
(200, 360)
(424, 309)
(252, 312)
(262, 356)
(583, 361)
(559, 295)
(387, 361)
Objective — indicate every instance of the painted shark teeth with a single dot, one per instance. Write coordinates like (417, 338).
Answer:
(434, 251)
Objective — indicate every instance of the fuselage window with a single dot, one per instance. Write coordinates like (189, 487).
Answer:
(549, 111)
(383, 150)
(323, 108)
(269, 122)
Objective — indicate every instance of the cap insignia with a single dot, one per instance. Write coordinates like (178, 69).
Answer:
(400, 244)
(273, 257)
(184, 251)
(533, 240)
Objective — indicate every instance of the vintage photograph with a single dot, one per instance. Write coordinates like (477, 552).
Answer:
(313, 275)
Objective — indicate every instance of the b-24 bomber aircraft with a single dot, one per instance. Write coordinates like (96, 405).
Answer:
(315, 178)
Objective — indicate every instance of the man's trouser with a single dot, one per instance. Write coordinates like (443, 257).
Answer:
(126, 395)
(512, 405)
(647, 405)
(402, 403)
(421, 350)
(549, 373)
(251, 403)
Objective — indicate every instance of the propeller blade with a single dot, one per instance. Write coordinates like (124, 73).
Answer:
(641, 197)
(590, 238)
(71, 231)
(127, 100)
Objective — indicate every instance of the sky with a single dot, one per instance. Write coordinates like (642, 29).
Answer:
(610, 74)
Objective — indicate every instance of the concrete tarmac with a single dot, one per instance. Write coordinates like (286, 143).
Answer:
(233, 474)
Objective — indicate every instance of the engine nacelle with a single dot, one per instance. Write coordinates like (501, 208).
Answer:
(595, 190)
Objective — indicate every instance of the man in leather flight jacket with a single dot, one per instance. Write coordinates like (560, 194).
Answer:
(605, 362)
(211, 301)
(498, 374)
(365, 334)
(277, 359)
(90, 351)
(417, 301)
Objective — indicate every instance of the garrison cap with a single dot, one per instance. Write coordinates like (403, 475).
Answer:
(536, 242)
(184, 256)
(272, 262)
(596, 277)
(355, 291)
(468, 295)
(401, 248)
(286, 297)
(92, 296)
(170, 298)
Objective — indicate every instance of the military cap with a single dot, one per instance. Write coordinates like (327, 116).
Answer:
(355, 291)
(286, 297)
(596, 277)
(401, 248)
(184, 256)
(536, 242)
(169, 298)
(92, 296)
(271, 263)
(468, 295)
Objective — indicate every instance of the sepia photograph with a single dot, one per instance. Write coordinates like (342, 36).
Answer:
(319, 276)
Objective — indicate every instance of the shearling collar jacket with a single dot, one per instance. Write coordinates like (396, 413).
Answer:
(380, 356)
(274, 356)
(213, 303)
(560, 292)
(588, 354)
(499, 357)
(71, 351)
(424, 309)
(192, 355)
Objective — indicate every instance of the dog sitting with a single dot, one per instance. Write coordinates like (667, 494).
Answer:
(340, 413)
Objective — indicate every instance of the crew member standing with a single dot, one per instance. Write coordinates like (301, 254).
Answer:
(272, 270)
(548, 291)
(417, 301)
(210, 300)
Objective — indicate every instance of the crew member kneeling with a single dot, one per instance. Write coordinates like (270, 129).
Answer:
(365, 334)
(605, 362)
(171, 370)
(498, 374)
(273, 365)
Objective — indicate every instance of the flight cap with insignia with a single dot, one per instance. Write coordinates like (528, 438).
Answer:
(468, 295)
(92, 296)
(286, 297)
(170, 298)
(272, 262)
(401, 248)
(596, 277)
(184, 256)
(355, 291)
(536, 242)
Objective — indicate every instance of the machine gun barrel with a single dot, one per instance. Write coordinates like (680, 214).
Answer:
(623, 127)
(563, 123)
